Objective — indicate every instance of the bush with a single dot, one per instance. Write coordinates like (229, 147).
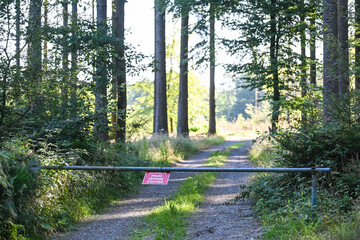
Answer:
(18, 175)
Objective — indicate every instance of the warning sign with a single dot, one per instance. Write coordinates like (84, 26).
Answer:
(161, 178)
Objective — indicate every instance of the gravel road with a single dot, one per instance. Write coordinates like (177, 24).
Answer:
(217, 218)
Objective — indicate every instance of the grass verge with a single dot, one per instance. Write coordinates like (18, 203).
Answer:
(169, 220)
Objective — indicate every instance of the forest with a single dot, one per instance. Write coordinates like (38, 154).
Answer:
(293, 83)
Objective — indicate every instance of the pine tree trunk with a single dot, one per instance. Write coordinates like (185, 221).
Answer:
(74, 61)
(160, 98)
(183, 125)
(18, 35)
(357, 46)
(331, 85)
(46, 18)
(212, 120)
(303, 80)
(343, 48)
(65, 61)
(313, 45)
(120, 69)
(101, 81)
(274, 47)
(34, 55)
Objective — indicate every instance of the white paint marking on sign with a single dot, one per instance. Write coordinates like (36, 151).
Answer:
(157, 178)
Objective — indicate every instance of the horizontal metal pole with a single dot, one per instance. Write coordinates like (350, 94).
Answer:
(181, 169)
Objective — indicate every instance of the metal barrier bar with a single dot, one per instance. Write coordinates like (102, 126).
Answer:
(314, 171)
(179, 169)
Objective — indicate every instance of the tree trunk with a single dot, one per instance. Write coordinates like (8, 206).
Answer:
(212, 120)
(343, 48)
(312, 45)
(101, 81)
(331, 85)
(120, 69)
(274, 47)
(357, 46)
(160, 99)
(46, 18)
(183, 125)
(74, 61)
(34, 54)
(65, 61)
(18, 34)
(303, 81)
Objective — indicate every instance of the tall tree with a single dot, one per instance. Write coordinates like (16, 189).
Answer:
(343, 47)
(65, 59)
(120, 68)
(212, 120)
(74, 59)
(17, 34)
(101, 80)
(331, 86)
(160, 100)
(357, 46)
(313, 43)
(34, 54)
(274, 50)
(183, 121)
(303, 77)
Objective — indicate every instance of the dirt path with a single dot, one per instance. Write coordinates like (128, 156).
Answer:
(117, 223)
(218, 217)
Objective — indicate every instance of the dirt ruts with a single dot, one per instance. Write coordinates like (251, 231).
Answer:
(217, 218)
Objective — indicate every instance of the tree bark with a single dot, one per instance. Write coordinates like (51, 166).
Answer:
(74, 60)
(274, 47)
(101, 81)
(313, 45)
(343, 48)
(303, 80)
(331, 85)
(160, 98)
(120, 69)
(183, 125)
(18, 35)
(34, 54)
(357, 46)
(65, 61)
(212, 120)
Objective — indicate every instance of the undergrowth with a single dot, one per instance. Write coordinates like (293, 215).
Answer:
(283, 200)
(35, 203)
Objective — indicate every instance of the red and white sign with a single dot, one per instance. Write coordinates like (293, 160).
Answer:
(161, 178)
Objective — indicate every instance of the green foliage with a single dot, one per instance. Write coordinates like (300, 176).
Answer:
(257, 122)
(284, 200)
(330, 146)
(262, 152)
(286, 213)
(233, 101)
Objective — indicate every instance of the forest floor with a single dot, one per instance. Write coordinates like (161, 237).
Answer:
(218, 217)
